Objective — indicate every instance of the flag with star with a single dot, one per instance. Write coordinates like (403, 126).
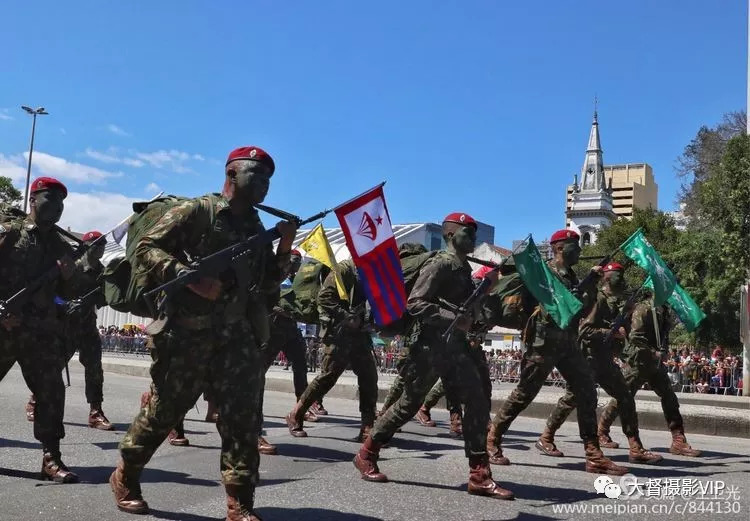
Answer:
(640, 250)
(684, 306)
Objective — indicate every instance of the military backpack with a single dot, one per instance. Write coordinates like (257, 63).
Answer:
(301, 300)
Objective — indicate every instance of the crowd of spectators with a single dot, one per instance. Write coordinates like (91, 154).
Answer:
(129, 339)
(717, 373)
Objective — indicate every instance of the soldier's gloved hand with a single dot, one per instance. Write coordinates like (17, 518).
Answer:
(10, 322)
(353, 322)
(67, 267)
(597, 269)
(206, 287)
(288, 231)
(465, 322)
(619, 334)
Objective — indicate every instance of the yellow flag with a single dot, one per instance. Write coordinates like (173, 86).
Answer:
(317, 246)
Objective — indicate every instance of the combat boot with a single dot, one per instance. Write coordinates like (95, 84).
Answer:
(423, 417)
(546, 444)
(597, 463)
(53, 469)
(680, 446)
(366, 462)
(456, 429)
(212, 413)
(364, 433)
(296, 427)
(177, 438)
(310, 416)
(127, 490)
(638, 454)
(318, 408)
(266, 448)
(97, 420)
(481, 482)
(145, 398)
(606, 442)
(30, 408)
(240, 504)
(494, 448)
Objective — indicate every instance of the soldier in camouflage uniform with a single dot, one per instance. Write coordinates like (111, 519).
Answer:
(644, 352)
(214, 330)
(446, 276)
(547, 347)
(348, 340)
(596, 339)
(28, 248)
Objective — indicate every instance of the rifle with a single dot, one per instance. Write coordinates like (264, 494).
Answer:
(220, 260)
(79, 302)
(620, 319)
(591, 274)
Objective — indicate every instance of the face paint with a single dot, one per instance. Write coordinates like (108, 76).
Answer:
(465, 239)
(252, 181)
(616, 281)
(571, 251)
(49, 206)
(96, 252)
(295, 264)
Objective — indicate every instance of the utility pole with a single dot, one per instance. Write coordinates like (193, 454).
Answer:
(35, 112)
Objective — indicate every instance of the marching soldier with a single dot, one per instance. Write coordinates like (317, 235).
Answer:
(446, 276)
(213, 333)
(595, 338)
(28, 248)
(646, 347)
(548, 346)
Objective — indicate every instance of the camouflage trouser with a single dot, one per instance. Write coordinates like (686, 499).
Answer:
(286, 336)
(611, 379)
(645, 369)
(40, 353)
(452, 404)
(558, 349)
(85, 338)
(342, 350)
(430, 359)
(230, 364)
(397, 387)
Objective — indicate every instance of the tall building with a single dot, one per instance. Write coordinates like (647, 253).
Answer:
(633, 186)
(590, 205)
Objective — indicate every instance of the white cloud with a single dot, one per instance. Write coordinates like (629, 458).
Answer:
(13, 167)
(152, 187)
(95, 211)
(176, 161)
(110, 156)
(117, 130)
(58, 167)
(4, 115)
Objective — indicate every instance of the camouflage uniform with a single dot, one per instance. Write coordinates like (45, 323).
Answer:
(547, 347)
(26, 253)
(343, 346)
(444, 276)
(286, 336)
(645, 366)
(207, 344)
(83, 335)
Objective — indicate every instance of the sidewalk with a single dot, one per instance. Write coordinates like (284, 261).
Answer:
(703, 414)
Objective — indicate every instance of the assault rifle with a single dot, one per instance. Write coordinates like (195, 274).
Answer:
(222, 259)
(588, 279)
(79, 302)
(620, 319)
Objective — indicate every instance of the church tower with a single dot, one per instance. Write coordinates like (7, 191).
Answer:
(590, 202)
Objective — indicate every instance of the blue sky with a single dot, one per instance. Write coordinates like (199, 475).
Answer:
(476, 106)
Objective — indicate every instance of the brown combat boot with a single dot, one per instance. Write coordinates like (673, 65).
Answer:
(127, 491)
(310, 416)
(597, 463)
(97, 420)
(606, 442)
(177, 438)
(680, 446)
(364, 433)
(296, 425)
(30, 408)
(494, 449)
(212, 412)
(318, 409)
(546, 444)
(240, 504)
(266, 448)
(366, 462)
(481, 482)
(423, 417)
(53, 469)
(638, 454)
(456, 429)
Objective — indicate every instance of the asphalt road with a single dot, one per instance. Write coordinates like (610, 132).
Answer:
(313, 478)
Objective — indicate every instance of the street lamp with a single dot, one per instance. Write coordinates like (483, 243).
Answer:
(34, 112)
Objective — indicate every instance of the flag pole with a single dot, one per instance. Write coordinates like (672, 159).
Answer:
(358, 196)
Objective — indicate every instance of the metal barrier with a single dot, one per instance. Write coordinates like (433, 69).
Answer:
(119, 345)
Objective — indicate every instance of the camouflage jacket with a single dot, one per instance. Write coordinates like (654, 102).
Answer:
(586, 295)
(188, 232)
(443, 276)
(642, 337)
(596, 325)
(331, 308)
(89, 276)
(25, 254)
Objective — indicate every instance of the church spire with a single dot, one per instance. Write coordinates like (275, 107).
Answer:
(592, 173)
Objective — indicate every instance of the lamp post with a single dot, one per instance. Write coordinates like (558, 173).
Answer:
(34, 112)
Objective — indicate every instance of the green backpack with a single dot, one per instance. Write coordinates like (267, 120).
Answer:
(301, 300)
(508, 303)
(124, 283)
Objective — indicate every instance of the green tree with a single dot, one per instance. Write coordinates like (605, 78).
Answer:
(9, 193)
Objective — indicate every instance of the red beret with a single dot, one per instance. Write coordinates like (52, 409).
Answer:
(254, 153)
(563, 235)
(613, 266)
(461, 218)
(90, 236)
(481, 272)
(295, 252)
(45, 183)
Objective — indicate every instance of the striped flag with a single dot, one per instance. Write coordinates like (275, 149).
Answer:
(369, 237)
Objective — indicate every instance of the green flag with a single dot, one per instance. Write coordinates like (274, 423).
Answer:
(545, 286)
(640, 250)
(683, 304)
